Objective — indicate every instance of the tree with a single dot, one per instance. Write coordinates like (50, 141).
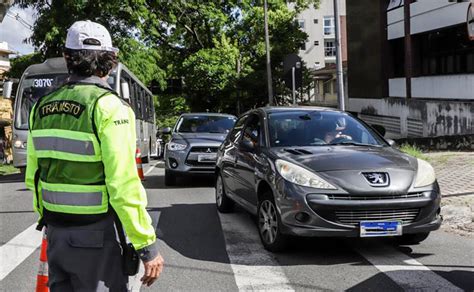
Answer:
(19, 64)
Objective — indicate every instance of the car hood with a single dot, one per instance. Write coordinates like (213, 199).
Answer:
(343, 166)
(206, 138)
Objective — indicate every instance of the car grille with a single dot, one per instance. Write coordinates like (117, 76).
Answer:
(353, 217)
(193, 155)
(376, 197)
(204, 149)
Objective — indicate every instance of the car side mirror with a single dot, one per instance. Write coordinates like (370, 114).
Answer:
(246, 145)
(166, 131)
(391, 142)
(380, 129)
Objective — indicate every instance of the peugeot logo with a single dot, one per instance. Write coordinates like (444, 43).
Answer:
(377, 179)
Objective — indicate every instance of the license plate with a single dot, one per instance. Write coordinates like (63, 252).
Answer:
(380, 228)
(207, 157)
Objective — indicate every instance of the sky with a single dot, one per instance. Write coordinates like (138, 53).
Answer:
(13, 32)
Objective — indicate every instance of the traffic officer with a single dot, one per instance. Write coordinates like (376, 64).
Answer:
(81, 166)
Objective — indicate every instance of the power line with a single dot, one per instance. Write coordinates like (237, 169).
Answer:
(18, 18)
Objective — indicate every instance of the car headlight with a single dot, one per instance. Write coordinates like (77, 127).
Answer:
(425, 174)
(300, 176)
(173, 146)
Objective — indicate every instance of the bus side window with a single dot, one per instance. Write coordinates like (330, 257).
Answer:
(138, 102)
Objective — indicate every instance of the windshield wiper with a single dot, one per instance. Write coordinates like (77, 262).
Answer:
(352, 143)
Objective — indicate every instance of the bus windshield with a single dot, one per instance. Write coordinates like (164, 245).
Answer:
(34, 87)
(30, 90)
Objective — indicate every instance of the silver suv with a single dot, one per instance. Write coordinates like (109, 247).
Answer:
(193, 146)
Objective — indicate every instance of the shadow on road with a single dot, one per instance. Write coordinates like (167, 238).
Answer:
(12, 178)
(193, 230)
(200, 181)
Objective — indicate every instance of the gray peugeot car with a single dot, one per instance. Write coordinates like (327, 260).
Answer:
(193, 145)
(321, 172)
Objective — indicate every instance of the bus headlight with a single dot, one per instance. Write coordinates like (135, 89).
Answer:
(18, 144)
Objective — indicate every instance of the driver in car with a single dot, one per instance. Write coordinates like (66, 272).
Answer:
(337, 132)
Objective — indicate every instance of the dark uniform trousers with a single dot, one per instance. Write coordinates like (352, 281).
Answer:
(85, 258)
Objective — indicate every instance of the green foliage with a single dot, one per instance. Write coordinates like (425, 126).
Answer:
(413, 150)
(19, 64)
(168, 108)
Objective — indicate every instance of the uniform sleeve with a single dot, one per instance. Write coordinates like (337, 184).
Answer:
(31, 167)
(116, 129)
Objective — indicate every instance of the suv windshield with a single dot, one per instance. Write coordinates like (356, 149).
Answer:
(205, 124)
(317, 128)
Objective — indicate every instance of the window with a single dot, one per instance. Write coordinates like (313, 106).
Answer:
(327, 87)
(301, 23)
(316, 43)
(329, 25)
(303, 47)
(315, 21)
(236, 131)
(252, 130)
(329, 48)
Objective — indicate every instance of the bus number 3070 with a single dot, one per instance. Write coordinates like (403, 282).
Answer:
(43, 82)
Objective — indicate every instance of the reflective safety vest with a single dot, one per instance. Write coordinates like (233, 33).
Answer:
(70, 177)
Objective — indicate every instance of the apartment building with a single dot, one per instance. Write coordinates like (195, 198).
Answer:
(442, 78)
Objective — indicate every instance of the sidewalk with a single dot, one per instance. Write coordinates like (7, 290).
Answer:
(455, 173)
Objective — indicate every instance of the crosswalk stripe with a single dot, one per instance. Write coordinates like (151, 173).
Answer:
(407, 272)
(14, 252)
(254, 268)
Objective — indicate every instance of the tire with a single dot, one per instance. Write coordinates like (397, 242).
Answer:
(223, 203)
(170, 178)
(269, 225)
(412, 239)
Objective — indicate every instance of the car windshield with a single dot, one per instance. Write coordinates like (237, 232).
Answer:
(205, 124)
(318, 128)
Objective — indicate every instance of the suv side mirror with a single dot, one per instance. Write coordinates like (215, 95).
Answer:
(246, 145)
(380, 129)
(166, 131)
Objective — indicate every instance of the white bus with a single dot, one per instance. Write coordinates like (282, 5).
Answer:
(40, 79)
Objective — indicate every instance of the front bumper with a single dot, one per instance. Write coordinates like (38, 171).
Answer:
(340, 215)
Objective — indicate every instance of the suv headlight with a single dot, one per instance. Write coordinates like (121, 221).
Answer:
(300, 176)
(425, 174)
(173, 146)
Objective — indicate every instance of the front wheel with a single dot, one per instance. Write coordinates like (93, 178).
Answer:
(223, 202)
(412, 239)
(269, 225)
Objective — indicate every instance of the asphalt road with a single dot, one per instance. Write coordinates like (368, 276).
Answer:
(207, 251)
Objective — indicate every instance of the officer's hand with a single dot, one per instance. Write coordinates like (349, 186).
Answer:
(153, 270)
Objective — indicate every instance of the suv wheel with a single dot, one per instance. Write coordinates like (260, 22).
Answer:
(412, 239)
(224, 204)
(269, 225)
(170, 178)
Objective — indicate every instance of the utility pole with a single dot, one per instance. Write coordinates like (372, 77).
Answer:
(408, 50)
(339, 71)
(267, 47)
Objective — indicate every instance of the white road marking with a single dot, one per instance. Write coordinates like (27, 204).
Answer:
(407, 272)
(254, 268)
(153, 167)
(14, 252)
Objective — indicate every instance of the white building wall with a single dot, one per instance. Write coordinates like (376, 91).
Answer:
(426, 15)
(313, 55)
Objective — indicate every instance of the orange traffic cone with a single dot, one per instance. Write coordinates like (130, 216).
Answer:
(42, 278)
(138, 160)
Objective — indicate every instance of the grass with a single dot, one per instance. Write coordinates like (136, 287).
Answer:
(8, 169)
(413, 151)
